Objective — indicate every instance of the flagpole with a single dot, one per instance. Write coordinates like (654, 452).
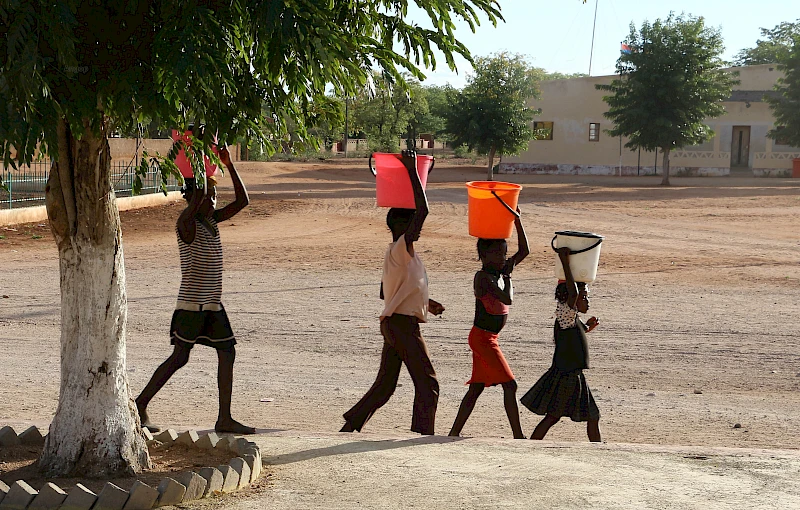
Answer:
(594, 26)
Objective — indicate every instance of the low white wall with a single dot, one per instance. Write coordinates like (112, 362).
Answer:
(568, 169)
(39, 213)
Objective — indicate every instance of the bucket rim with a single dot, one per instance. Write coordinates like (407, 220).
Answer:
(495, 185)
(575, 233)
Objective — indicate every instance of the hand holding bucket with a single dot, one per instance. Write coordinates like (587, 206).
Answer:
(584, 256)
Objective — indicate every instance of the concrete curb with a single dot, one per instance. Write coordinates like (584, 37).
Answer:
(39, 212)
(239, 474)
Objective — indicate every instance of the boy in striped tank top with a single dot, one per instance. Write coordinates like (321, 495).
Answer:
(199, 316)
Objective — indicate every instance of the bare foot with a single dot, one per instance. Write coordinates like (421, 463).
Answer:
(145, 420)
(231, 426)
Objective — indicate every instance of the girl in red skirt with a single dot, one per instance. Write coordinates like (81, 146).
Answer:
(493, 295)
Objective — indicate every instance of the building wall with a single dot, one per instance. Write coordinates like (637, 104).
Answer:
(575, 103)
(125, 149)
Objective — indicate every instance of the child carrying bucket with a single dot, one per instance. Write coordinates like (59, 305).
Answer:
(404, 289)
(493, 295)
(562, 390)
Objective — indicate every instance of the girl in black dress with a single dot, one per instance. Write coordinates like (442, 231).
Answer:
(562, 390)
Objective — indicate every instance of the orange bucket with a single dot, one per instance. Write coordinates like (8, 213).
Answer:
(488, 217)
(392, 184)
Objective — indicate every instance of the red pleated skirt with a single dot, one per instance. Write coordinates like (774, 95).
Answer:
(489, 366)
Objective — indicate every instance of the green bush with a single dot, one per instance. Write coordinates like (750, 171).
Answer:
(384, 143)
(462, 151)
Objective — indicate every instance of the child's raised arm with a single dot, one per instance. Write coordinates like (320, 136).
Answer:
(242, 200)
(522, 239)
(420, 201)
(572, 288)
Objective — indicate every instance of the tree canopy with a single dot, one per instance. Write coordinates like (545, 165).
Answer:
(172, 62)
(786, 107)
(386, 111)
(546, 76)
(671, 81)
(72, 72)
(491, 114)
(773, 48)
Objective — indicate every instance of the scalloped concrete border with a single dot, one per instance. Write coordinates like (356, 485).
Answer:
(238, 474)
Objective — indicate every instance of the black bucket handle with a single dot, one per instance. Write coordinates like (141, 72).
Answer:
(592, 247)
(508, 207)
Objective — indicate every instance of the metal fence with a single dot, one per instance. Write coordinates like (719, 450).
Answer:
(25, 186)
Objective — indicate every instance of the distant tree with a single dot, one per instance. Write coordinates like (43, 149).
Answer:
(327, 121)
(73, 72)
(491, 115)
(385, 110)
(672, 81)
(434, 121)
(774, 46)
(786, 107)
(561, 76)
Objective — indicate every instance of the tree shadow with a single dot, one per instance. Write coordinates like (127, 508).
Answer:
(357, 447)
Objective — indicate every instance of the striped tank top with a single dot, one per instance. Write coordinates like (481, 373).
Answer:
(201, 270)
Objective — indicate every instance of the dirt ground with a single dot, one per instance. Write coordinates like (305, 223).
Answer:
(698, 296)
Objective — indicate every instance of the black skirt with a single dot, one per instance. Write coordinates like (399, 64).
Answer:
(560, 393)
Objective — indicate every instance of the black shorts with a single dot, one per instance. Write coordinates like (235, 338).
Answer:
(210, 328)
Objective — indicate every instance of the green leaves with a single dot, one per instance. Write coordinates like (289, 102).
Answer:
(773, 48)
(168, 62)
(386, 111)
(491, 111)
(786, 107)
(196, 151)
(672, 80)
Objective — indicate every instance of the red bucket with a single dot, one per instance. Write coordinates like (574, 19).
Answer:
(182, 161)
(392, 184)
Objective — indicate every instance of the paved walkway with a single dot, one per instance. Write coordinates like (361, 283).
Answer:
(348, 471)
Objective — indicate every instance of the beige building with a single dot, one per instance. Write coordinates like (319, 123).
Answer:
(572, 114)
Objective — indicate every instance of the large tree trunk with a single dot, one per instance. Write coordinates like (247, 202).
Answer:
(665, 164)
(95, 431)
(490, 168)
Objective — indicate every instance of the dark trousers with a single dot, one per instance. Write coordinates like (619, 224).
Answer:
(402, 343)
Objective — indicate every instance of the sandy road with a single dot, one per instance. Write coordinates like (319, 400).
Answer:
(698, 290)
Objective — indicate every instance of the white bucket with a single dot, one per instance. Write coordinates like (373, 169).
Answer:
(585, 256)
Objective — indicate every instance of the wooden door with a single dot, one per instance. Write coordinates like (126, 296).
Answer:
(740, 147)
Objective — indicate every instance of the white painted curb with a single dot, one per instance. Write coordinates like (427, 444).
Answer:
(39, 213)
